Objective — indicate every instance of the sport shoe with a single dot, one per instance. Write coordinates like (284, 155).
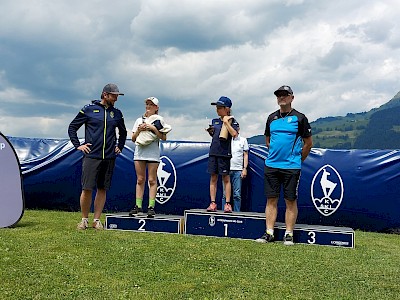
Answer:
(227, 208)
(288, 240)
(97, 225)
(136, 210)
(82, 225)
(212, 207)
(150, 212)
(266, 238)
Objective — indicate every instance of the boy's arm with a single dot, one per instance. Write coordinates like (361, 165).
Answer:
(245, 163)
(210, 129)
(227, 122)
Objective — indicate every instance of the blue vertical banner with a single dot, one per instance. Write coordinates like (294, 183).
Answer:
(11, 188)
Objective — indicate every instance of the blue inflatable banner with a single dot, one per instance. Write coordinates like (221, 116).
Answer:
(352, 188)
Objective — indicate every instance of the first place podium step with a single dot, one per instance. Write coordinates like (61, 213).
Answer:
(247, 225)
(141, 223)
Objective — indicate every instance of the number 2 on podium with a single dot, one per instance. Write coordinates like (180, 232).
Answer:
(141, 228)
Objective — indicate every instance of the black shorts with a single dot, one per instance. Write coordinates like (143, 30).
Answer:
(97, 173)
(275, 179)
(219, 165)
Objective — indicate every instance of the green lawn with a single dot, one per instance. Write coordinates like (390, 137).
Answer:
(45, 257)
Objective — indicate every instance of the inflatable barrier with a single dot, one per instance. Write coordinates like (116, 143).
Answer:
(351, 188)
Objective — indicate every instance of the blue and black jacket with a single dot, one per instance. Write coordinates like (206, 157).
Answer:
(286, 132)
(100, 124)
(218, 147)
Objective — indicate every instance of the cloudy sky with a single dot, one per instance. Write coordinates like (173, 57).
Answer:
(56, 56)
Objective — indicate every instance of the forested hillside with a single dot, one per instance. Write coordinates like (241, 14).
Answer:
(377, 129)
(382, 131)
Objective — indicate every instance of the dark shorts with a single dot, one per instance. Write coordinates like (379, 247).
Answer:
(147, 161)
(275, 179)
(219, 165)
(97, 173)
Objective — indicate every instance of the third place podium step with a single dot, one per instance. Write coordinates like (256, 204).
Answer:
(247, 225)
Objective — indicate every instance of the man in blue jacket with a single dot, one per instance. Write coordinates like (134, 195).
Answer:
(289, 140)
(100, 149)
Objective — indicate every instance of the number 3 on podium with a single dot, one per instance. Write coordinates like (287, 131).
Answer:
(311, 234)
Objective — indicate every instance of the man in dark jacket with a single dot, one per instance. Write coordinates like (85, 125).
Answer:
(100, 149)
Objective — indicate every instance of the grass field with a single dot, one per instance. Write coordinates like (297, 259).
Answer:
(45, 257)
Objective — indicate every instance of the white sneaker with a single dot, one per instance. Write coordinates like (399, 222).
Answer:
(266, 238)
(288, 240)
(82, 225)
(97, 225)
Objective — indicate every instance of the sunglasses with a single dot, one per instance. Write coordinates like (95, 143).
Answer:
(283, 95)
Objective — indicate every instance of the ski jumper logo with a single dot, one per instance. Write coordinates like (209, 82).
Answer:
(327, 190)
(166, 177)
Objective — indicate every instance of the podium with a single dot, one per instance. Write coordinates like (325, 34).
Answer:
(247, 225)
(241, 225)
(141, 223)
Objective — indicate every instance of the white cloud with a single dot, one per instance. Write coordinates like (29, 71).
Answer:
(338, 56)
(35, 126)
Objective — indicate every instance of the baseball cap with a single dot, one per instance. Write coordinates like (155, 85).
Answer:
(112, 88)
(152, 99)
(285, 88)
(223, 101)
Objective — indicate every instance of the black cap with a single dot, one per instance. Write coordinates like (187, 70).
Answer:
(112, 88)
(285, 88)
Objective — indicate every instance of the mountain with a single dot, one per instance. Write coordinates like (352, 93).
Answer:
(257, 139)
(378, 128)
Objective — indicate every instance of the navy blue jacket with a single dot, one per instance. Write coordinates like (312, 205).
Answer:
(100, 124)
(221, 148)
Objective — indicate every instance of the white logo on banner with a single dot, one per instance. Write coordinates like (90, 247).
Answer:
(166, 177)
(2, 146)
(327, 181)
(211, 221)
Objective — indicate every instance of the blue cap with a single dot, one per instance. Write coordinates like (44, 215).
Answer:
(223, 101)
